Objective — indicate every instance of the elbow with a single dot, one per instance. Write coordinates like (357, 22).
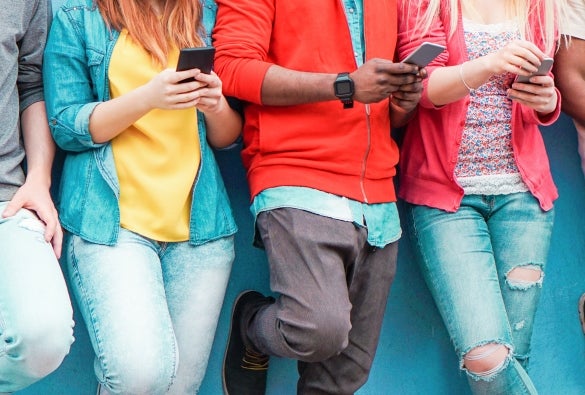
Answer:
(98, 140)
(572, 108)
(223, 142)
(71, 142)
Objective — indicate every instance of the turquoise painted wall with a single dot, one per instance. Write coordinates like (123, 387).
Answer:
(414, 354)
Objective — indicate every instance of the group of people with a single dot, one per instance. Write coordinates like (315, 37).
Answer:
(149, 233)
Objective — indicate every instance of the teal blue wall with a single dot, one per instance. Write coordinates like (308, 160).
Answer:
(414, 355)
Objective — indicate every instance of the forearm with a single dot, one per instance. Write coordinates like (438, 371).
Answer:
(284, 87)
(574, 102)
(38, 144)
(399, 117)
(451, 83)
(223, 126)
(112, 117)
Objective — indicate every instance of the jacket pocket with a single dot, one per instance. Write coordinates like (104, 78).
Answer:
(95, 63)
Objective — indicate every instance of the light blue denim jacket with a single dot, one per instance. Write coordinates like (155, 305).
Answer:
(75, 70)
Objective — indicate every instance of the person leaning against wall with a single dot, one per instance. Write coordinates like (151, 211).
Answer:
(149, 242)
(475, 175)
(318, 85)
(36, 318)
(570, 77)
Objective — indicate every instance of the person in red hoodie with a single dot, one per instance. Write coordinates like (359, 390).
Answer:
(475, 174)
(319, 89)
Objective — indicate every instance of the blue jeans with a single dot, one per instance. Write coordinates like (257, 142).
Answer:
(36, 319)
(466, 258)
(151, 309)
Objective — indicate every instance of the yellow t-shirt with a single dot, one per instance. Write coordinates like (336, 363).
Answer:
(156, 158)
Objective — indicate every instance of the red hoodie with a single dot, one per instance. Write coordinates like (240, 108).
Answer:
(347, 152)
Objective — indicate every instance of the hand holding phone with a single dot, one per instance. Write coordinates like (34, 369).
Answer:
(543, 69)
(424, 54)
(196, 58)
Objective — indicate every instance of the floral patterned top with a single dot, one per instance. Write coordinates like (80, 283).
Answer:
(486, 163)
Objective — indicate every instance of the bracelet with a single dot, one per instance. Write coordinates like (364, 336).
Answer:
(470, 89)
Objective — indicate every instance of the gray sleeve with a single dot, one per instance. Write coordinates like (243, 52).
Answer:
(30, 59)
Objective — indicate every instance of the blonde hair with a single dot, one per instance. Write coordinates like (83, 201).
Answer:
(547, 13)
(180, 24)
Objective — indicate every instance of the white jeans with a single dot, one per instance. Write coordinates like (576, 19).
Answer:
(151, 309)
(36, 319)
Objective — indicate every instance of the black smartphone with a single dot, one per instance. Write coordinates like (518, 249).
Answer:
(545, 66)
(196, 58)
(424, 54)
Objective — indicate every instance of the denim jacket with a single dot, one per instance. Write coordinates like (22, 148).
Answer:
(75, 69)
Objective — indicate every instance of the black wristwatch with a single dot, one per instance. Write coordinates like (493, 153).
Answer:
(344, 89)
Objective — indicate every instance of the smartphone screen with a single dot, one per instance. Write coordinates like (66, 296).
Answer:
(424, 54)
(196, 58)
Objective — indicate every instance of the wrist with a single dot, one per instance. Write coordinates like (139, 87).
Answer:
(216, 110)
(463, 80)
(344, 89)
(397, 108)
(399, 116)
(146, 100)
(41, 178)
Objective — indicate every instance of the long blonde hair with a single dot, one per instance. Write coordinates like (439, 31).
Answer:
(546, 13)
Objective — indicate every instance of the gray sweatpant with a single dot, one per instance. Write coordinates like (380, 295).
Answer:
(333, 289)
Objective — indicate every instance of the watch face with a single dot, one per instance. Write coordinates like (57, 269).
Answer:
(343, 88)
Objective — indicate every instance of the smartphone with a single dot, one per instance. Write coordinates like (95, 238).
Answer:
(196, 58)
(424, 54)
(543, 69)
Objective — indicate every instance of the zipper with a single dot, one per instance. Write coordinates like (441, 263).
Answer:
(366, 154)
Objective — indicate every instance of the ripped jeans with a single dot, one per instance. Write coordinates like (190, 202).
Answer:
(36, 318)
(473, 261)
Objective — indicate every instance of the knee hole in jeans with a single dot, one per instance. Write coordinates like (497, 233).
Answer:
(486, 360)
(523, 277)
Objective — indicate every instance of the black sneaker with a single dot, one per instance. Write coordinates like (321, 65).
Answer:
(244, 370)
(582, 311)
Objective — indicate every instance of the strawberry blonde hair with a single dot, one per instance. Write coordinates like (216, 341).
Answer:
(519, 10)
(179, 25)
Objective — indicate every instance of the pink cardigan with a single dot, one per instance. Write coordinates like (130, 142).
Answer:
(431, 143)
